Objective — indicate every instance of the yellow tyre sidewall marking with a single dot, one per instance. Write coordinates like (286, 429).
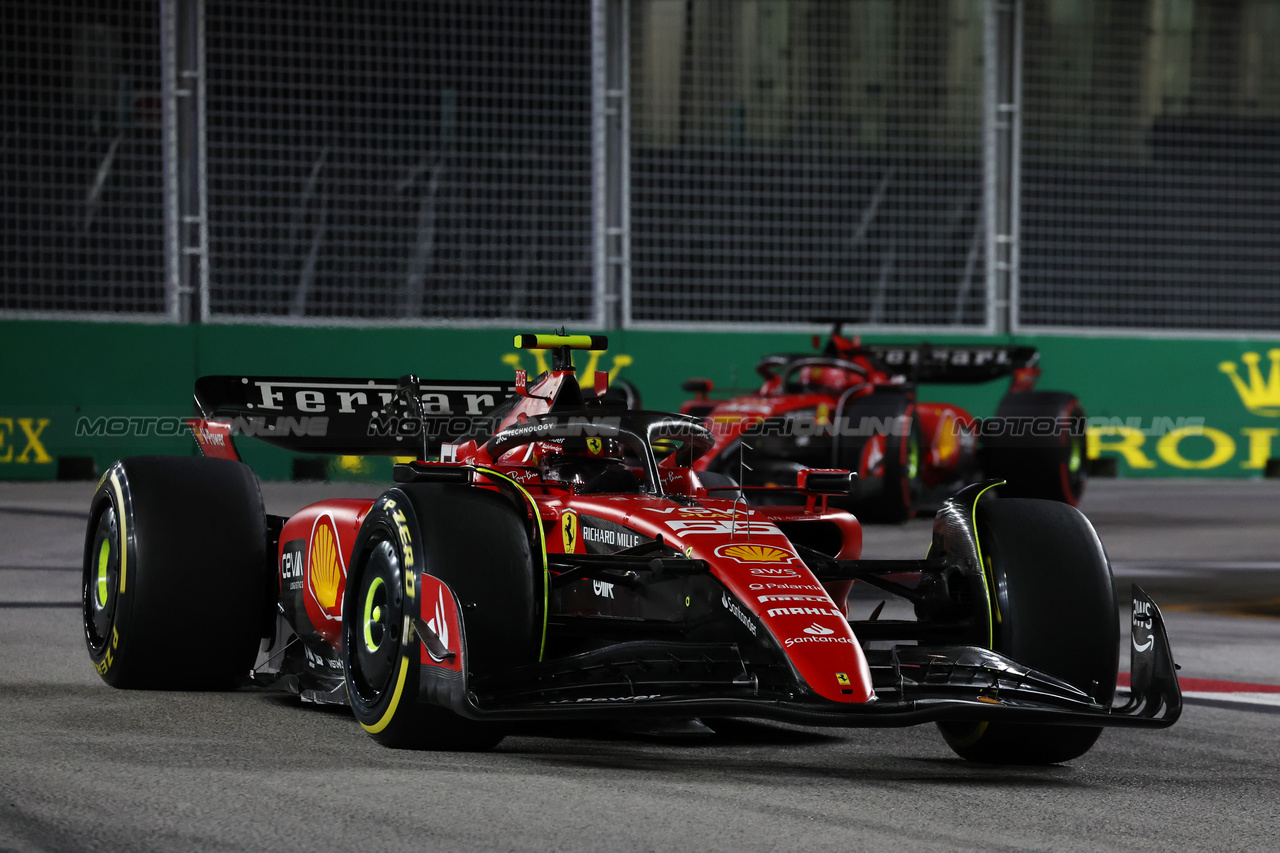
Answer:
(542, 543)
(980, 729)
(108, 657)
(987, 587)
(124, 530)
(100, 588)
(395, 699)
(394, 704)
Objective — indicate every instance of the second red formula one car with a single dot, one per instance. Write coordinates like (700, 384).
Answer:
(561, 558)
(856, 406)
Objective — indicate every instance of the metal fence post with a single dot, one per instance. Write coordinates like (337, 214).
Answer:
(186, 258)
(1002, 147)
(609, 151)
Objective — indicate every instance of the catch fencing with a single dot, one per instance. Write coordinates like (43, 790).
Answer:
(931, 166)
(82, 216)
(1150, 190)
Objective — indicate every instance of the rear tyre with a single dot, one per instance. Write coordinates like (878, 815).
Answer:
(1048, 465)
(473, 541)
(895, 501)
(175, 548)
(1055, 611)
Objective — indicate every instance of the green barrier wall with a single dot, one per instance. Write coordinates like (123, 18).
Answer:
(1160, 407)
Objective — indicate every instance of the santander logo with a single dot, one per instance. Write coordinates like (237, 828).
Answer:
(818, 630)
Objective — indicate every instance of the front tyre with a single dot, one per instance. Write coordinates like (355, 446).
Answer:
(378, 647)
(1054, 610)
(473, 541)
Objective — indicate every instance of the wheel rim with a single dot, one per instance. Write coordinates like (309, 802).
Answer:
(375, 602)
(1073, 470)
(375, 638)
(102, 580)
(1077, 457)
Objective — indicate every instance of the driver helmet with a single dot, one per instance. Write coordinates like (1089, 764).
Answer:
(578, 461)
(826, 377)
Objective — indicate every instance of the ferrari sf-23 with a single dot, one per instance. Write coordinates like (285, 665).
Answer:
(550, 555)
(854, 405)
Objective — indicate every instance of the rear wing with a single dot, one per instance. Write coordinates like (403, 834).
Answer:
(960, 365)
(387, 417)
(945, 365)
(926, 363)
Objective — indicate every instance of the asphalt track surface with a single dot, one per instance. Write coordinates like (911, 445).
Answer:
(86, 767)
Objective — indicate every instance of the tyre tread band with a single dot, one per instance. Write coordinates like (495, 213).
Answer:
(980, 727)
(542, 547)
(988, 586)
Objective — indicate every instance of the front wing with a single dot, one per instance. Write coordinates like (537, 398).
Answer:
(913, 684)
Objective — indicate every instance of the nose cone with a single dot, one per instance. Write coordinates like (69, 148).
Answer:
(812, 632)
(766, 578)
(768, 586)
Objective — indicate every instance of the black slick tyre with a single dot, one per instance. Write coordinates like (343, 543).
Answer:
(472, 540)
(175, 551)
(1054, 610)
(895, 500)
(901, 475)
(1046, 459)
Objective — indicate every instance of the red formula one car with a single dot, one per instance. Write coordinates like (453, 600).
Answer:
(855, 406)
(560, 557)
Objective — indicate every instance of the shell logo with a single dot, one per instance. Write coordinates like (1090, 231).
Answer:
(755, 553)
(325, 569)
(947, 436)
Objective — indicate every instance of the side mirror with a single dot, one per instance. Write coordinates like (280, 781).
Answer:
(825, 481)
(698, 387)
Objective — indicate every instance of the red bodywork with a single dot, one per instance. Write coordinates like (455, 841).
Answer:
(329, 530)
(769, 590)
(947, 432)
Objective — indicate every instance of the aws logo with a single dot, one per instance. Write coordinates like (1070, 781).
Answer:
(620, 360)
(1261, 397)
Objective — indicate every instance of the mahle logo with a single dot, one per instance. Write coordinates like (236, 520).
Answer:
(1261, 397)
